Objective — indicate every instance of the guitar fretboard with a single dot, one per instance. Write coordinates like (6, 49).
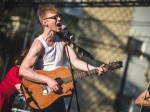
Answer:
(79, 75)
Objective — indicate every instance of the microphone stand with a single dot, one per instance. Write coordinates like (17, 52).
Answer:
(74, 89)
(82, 53)
(74, 84)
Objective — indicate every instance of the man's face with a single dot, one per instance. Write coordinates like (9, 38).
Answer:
(52, 21)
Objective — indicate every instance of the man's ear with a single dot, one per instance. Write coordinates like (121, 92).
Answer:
(44, 23)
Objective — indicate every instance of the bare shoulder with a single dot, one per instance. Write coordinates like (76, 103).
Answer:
(36, 46)
(37, 43)
(33, 54)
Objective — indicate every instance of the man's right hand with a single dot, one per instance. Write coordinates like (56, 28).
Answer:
(52, 84)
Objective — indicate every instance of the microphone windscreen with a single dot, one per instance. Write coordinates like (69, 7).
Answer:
(63, 26)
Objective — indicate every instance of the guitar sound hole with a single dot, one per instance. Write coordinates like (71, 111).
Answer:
(59, 81)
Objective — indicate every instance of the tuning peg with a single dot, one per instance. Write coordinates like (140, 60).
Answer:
(71, 45)
(81, 54)
(76, 49)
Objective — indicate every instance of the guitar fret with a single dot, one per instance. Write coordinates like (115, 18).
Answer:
(83, 74)
(67, 79)
(70, 79)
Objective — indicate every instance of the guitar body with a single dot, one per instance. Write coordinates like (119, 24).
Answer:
(33, 92)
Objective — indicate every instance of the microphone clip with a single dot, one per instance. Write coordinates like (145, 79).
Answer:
(67, 33)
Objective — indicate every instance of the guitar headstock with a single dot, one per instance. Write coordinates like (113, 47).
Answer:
(115, 65)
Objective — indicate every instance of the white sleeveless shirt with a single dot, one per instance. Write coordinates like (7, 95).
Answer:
(53, 55)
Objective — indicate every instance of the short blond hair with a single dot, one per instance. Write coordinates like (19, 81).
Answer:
(44, 9)
(20, 56)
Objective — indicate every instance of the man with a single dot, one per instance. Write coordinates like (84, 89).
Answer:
(144, 98)
(46, 53)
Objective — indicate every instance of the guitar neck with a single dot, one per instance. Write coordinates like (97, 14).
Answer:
(80, 75)
(112, 66)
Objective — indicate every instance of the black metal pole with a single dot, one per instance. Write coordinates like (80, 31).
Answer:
(74, 84)
(119, 97)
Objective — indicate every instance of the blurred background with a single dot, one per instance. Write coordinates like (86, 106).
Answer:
(111, 30)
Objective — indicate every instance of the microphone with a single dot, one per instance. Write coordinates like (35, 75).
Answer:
(67, 32)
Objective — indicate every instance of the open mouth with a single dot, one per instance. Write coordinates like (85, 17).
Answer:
(58, 25)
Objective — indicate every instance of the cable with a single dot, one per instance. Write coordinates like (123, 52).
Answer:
(144, 97)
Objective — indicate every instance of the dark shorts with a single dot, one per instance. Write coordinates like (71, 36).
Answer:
(57, 106)
(145, 109)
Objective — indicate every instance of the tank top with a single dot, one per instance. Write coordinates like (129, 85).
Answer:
(53, 57)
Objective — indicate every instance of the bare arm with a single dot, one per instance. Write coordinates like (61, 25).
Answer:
(18, 88)
(26, 67)
(27, 64)
(140, 99)
(81, 65)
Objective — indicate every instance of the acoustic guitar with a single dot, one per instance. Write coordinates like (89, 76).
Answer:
(39, 96)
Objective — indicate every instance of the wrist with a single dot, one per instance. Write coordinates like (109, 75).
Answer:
(45, 79)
